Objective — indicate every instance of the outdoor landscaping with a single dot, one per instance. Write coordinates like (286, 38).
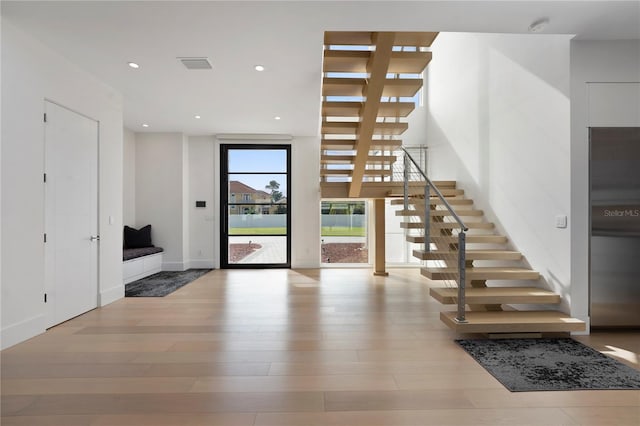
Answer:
(345, 253)
(237, 252)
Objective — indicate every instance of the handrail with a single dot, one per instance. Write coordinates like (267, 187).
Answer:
(461, 249)
(437, 191)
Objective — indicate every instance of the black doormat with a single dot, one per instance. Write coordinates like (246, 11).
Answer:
(523, 365)
(162, 283)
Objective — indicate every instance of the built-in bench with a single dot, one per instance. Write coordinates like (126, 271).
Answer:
(141, 262)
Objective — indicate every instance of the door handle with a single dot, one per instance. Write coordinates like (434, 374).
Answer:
(224, 219)
(94, 238)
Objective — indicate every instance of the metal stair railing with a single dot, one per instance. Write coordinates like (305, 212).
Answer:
(414, 176)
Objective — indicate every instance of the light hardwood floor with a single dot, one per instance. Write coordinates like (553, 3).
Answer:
(283, 347)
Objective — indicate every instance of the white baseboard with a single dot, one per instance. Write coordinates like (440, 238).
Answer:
(201, 264)
(305, 264)
(174, 266)
(16, 333)
(110, 295)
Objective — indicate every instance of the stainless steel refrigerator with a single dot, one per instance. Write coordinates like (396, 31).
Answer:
(615, 226)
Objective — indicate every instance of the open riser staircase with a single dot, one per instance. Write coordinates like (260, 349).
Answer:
(370, 85)
(497, 279)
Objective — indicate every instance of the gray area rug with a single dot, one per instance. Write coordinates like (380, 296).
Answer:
(162, 283)
(523, 365)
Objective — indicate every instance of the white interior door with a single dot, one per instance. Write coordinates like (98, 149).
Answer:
(71, 213)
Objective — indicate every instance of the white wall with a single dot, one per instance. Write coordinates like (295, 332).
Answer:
(1, 275)
(160, 197)
(305, 207)
(202, 223)
(32, 73)
(185, 203)
(499, 125)
(129, 178)
(591, 62)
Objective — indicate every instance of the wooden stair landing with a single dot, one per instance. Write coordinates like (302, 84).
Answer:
(495, 295)
(513, 322)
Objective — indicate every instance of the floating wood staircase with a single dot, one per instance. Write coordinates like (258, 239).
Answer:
(369, 87)
(490, 305)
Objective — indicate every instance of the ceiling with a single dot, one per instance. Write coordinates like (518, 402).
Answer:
(286, 37)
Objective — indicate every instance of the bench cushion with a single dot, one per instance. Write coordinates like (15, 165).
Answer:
(128, 254)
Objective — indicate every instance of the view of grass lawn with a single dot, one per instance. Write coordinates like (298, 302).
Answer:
(327, 231)
(342, 231)
(258, 231)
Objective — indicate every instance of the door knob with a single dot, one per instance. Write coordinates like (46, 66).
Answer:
(95, 238)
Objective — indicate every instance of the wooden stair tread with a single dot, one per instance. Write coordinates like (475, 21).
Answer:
(420, 212)
(349, 159)
(352, 127)
(470, 225)
(440, 184)
(365, 38)
(349, 172)
(473, 254)
(409, 62)
(452, 239)
(513, 322)
(495, 295)
(414, 38)
(354, 109)
(447, 225)
(356, 61)
(482, 273)
(433, 201)
(345, 60)
(350, 144)
(444, 191)
(452, 201)
(368, 190)
(460, 212)
(393, 87)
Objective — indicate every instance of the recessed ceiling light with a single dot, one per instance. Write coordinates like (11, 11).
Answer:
(538, 25)
(133, 65)
(145, 125)
(259, 68)
(197, 117)
(277, 117)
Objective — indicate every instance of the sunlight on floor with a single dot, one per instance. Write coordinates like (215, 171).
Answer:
(622, 354)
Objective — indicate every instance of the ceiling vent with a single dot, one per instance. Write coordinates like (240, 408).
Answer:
(196, 63)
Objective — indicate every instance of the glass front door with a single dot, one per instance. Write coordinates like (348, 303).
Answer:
(256, 223)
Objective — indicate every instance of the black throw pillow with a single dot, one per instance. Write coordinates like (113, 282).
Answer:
(137, 238)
